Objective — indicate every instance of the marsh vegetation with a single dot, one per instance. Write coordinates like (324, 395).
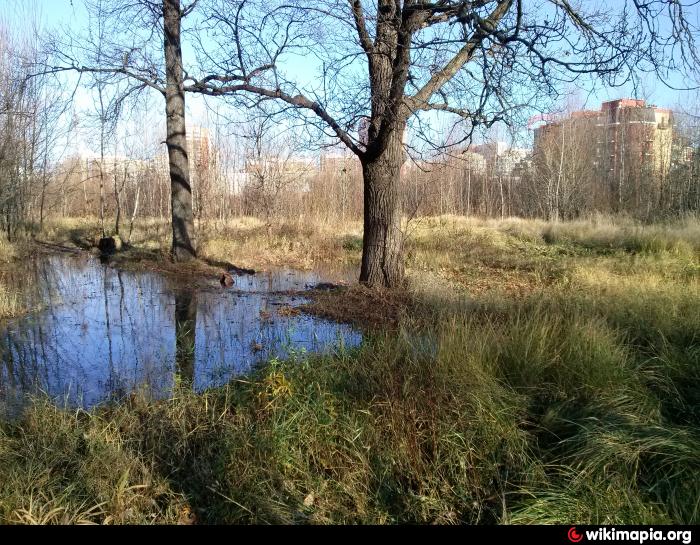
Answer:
(531, 373)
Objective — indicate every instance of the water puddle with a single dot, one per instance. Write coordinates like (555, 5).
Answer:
(104, 333)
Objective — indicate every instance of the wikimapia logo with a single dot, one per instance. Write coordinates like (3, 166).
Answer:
(574, 536)
(636, 536)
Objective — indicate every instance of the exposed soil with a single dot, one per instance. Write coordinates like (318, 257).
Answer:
(368, 309)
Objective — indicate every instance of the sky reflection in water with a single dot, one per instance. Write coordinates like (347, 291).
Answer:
(105, 332)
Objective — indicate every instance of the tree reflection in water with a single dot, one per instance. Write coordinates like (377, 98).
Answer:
(185, 330)
(102, 334)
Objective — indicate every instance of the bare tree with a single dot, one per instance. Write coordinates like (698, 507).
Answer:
(683, 186)
(565, 173)
(394, 62)
(29, 115)
(131, 59)
(176, 140)
(273, 166)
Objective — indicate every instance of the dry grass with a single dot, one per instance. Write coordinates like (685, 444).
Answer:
(249, 243)
(367, 309)
(12, 302)
(515, 257)
(244, 242)
(8, 251)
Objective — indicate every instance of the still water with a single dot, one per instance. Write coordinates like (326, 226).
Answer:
(102, 333)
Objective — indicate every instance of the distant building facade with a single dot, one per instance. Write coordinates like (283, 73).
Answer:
(626, 136)
(473, 162)
(90, 167)
(496, 157)
(200, 154)
(339, 164)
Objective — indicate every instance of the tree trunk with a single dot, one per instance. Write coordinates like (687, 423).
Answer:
(183, 247)
(382, 251)
(102, 164)
(41, 208)
(116, 195)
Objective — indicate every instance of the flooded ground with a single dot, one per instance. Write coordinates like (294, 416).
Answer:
(103, 333)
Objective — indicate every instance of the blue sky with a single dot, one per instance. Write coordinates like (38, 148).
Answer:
(53, 13)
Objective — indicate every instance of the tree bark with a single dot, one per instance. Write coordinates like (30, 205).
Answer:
(183, 247)
(382, 253)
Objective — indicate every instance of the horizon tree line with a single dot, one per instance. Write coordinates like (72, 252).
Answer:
(396, 64)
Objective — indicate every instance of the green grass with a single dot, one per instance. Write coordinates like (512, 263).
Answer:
(531, 381)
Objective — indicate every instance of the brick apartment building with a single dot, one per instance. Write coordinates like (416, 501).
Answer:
(625, 137)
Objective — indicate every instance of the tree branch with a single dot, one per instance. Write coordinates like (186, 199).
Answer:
(298, 101)
(460, 59)
(358, 15)
(152, 83)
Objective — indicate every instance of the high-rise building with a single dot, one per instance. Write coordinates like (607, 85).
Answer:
(631, 135)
